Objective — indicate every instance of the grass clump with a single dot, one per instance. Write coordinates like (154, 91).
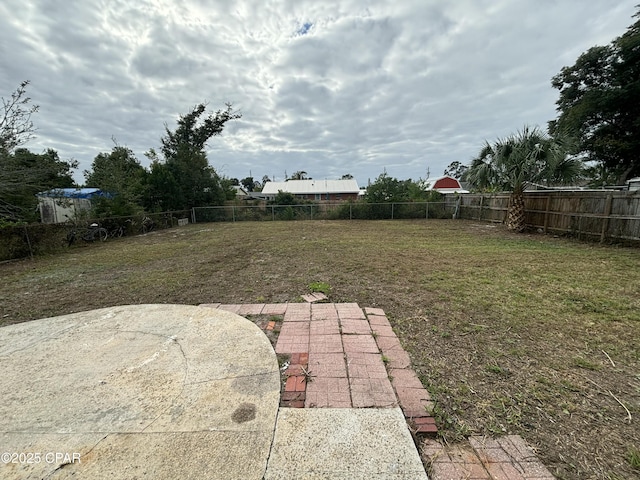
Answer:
(633, 457)
(320, 287)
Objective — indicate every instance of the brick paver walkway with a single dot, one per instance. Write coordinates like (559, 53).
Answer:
(343, 356)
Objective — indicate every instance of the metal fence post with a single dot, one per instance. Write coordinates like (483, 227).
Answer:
(193, 214)
(392, 204)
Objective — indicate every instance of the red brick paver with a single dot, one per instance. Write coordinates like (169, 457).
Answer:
(328, 392)
(355, 326)
(360, 344)
(327, 365)
(504, 458)
(274, 309)
(325, 343)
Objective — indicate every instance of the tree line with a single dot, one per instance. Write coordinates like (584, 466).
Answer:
(178, 178)
(595, 140)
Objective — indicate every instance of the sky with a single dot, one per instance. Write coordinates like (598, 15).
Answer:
(327, 87)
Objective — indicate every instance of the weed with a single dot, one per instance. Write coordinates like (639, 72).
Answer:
(586, 364)
(497, 369)
(633, 457)
(321, 287)
(308, 378)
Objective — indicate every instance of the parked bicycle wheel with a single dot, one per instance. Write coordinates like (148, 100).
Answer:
(117, 232)
(96, 233)
(101, 234)
(71, 237)
(147, 225)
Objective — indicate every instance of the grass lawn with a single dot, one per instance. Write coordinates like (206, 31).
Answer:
(519, 334)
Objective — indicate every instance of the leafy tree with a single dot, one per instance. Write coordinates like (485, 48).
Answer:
(249, 184)
(284, 198)
(228, 187)
(299, 175)
(530, 155)
(385, 189)
(163, 191)
(23, 174)
(347, 176)
(119, 173)
(265, 179)
(184, 178)
(598, 104)
(16, 127)
(388, 189)
(456, 170)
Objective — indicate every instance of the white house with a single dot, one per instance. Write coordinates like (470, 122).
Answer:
(327, 190)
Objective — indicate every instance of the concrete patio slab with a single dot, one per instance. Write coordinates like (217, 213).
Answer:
(343, 444)
(157, 391)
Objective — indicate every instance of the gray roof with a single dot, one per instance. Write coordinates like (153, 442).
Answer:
(304, 187)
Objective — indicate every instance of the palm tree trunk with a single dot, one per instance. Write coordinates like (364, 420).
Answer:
(515, 213)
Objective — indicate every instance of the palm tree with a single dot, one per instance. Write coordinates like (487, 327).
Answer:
(530, 155)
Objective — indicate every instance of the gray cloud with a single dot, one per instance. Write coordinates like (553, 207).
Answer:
(327, 87)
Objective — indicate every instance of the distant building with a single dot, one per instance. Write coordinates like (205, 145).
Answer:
(319, 190)
(445, 184)
(64, 204)
(241, 192)
(633, 184)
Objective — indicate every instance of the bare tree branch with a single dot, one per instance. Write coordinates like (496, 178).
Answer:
(16, 127)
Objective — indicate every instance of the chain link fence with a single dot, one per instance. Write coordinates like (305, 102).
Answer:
(27, 240)
(323, 211)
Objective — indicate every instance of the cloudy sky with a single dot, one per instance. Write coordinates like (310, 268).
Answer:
(328, 87)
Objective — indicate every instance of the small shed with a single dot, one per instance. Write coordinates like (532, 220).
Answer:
(445, 184)
(63, 204)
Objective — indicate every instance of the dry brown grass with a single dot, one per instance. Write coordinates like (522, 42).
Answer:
(522, 334)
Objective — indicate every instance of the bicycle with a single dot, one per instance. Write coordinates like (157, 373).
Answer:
(89, 234)
(117, 232)
(147, 225)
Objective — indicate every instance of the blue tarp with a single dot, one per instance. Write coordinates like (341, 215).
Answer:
(74, 193)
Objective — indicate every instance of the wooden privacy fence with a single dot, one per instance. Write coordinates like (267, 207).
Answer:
(596, 215)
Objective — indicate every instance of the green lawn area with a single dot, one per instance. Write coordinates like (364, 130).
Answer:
(520, 334)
